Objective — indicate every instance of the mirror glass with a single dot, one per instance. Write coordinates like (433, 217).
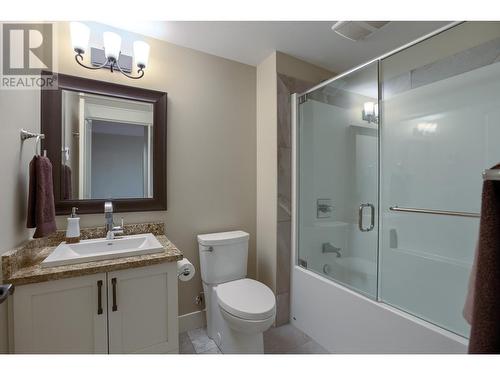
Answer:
(107, 147)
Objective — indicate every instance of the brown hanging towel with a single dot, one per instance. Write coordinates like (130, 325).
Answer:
(485, 326)
(41, 210)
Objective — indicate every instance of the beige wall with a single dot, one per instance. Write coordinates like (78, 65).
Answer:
(210, 148)
(267, 153)
(14, 115)
(267, 143)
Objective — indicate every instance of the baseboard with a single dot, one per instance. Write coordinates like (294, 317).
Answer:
(193, 320)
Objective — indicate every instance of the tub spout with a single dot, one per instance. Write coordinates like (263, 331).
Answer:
(327, 247)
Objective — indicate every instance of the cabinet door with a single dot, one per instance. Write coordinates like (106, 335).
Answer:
(142, 309)
(61, 316)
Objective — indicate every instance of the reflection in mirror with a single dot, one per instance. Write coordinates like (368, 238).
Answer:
(107, 147)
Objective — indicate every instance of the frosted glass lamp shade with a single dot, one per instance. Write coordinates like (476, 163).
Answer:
(141, 53)
(80, 35)
(369, 108)
(112, 45)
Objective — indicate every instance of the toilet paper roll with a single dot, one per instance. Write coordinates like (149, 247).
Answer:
(185, 270)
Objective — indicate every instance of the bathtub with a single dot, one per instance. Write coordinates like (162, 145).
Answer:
(344, 321)
(330, 301)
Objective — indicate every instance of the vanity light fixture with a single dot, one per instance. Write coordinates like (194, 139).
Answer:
(80, 35)
(370, 112)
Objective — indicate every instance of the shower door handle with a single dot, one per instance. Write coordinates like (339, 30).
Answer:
(360, 217)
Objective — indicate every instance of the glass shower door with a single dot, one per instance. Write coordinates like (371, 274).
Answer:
(338, 162)
(440, 130)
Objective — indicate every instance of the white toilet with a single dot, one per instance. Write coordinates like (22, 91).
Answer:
(239, 310)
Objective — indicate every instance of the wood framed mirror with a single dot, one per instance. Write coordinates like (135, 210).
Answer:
(106, 142)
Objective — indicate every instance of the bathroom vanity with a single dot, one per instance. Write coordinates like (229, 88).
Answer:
(117, 306)
(104, 294)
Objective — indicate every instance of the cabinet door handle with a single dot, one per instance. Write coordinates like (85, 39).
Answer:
(113, 282)
(99, 297)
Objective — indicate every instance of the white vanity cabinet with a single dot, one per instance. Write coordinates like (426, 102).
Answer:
(143, 312)
(127, 311)
(60, 316)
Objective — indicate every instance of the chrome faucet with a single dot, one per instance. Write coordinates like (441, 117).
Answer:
(111, 230)
(327, 247)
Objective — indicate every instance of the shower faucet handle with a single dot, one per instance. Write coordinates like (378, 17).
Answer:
(324, 208)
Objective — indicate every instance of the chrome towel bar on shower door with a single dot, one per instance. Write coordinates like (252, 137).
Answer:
(433, 212)
(488, 174)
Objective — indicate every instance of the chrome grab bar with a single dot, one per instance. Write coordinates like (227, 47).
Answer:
(434, 212)
(360, 217)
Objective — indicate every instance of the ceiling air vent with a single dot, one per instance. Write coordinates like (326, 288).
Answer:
(357, 30)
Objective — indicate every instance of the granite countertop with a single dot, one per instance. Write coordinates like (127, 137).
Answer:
(22, 265)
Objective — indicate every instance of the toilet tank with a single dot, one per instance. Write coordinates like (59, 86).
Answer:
(223, 256)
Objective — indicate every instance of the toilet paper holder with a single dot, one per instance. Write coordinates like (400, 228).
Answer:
(184, 272)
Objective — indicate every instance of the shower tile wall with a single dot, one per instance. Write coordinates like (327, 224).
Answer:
(286, 86)
(450, 66)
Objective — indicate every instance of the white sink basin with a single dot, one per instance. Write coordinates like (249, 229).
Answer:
(101, 249)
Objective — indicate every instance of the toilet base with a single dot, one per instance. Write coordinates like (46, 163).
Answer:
(234, 342)
(227, 339)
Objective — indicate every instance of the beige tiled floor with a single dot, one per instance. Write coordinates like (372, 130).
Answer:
(280, 340)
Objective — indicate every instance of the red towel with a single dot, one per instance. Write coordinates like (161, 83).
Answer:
(485, 327)
(41, 210)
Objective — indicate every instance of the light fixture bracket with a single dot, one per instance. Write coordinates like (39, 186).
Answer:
(97, 57)
(111, 63)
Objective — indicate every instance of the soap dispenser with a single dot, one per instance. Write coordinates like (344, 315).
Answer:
(73, 228)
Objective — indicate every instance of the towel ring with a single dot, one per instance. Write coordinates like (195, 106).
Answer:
(37, 142)
(27, 135)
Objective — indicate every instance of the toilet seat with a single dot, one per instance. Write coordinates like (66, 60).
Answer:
(246, 299)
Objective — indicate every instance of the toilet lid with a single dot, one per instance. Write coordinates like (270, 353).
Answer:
(246, 299)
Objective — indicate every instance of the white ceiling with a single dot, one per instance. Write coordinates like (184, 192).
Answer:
(312, 41)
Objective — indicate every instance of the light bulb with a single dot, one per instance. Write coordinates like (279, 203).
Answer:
(369, 108)
(141, 53)
(80, 35)
(112, 45)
